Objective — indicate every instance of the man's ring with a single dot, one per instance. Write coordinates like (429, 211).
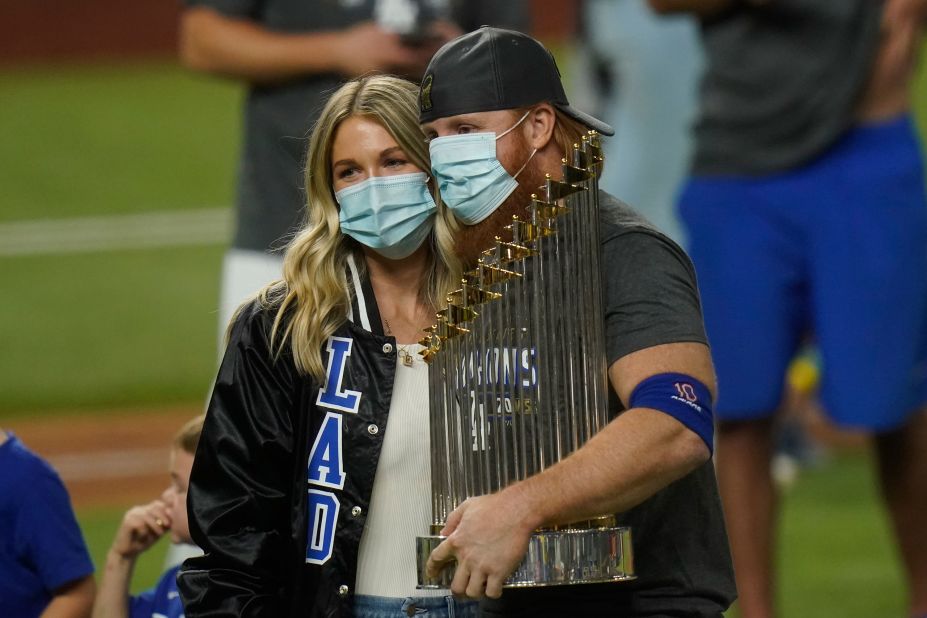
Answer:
(160, 522)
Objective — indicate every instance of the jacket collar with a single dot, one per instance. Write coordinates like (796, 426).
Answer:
(363, 311)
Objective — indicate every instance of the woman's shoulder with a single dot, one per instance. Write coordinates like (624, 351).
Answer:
(255, 320)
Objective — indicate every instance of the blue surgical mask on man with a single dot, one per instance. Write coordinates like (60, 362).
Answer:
(392, 215)
(472, 181)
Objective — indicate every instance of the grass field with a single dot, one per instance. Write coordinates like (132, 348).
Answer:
(105, 140)
(108, 329)
(111, 329)
(123, 329)
(837, 555)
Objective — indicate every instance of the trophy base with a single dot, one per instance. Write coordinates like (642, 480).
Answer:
(554, 558)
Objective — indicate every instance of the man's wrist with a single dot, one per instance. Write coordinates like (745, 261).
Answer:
(319, 52)
(522, 498)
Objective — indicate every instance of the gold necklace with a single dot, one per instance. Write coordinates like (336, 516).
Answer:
(404, 355)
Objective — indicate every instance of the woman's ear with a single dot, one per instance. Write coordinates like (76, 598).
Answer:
(539, 125)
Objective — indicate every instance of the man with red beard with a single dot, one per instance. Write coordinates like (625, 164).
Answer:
(498, 120)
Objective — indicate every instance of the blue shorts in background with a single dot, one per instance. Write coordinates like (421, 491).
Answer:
(836, 248)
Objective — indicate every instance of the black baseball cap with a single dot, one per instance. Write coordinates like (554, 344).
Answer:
(493, 69)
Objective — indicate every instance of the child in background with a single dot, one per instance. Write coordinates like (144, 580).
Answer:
(141, 528)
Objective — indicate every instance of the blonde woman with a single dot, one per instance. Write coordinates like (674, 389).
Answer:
(311, 479)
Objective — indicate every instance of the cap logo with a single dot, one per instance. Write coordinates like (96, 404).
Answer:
(426, 93)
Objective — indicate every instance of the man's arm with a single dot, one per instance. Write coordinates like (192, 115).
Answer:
(74, 600)
(702, 8)
(633, 457)
(639, 453)
(888, 92)
(241, 48)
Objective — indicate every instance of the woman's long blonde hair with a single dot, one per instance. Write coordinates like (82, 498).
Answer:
(314, 289)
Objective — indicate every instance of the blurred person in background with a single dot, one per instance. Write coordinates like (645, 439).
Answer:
(311, 480)
(142, 527)
(806, 212)
(45, 569)
(292, 55)
(649, 68)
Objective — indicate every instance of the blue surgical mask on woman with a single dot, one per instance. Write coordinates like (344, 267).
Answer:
(390, 214)
(471, 179)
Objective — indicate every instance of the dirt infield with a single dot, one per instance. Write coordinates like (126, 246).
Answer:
(83, 30)
(111, 459)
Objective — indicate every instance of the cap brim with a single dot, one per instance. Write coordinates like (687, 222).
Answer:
(586, 119)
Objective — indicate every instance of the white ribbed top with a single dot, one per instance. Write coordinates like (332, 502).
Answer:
(400, 507)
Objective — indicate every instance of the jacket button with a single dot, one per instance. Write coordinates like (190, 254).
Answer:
(343, 590)
(373, 429)
(387, 348)
(356, 511)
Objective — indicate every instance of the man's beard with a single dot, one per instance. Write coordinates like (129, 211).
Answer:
(474, 239)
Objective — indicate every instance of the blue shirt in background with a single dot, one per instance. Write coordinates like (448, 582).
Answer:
(41, 547)
(162, 601)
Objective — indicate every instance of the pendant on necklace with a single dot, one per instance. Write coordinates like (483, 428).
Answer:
(406, 358)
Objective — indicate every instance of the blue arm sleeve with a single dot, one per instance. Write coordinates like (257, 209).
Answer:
(50, 532)
(682, 397)
(163, 600)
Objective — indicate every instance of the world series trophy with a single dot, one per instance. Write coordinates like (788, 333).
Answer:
(518, 377)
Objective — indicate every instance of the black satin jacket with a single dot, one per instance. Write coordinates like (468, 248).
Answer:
(247, 501)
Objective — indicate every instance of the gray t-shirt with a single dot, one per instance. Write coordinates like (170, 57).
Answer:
(782, 83)
(270, 197)
(681, 553)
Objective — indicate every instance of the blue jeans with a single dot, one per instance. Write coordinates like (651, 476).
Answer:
(431, 607)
